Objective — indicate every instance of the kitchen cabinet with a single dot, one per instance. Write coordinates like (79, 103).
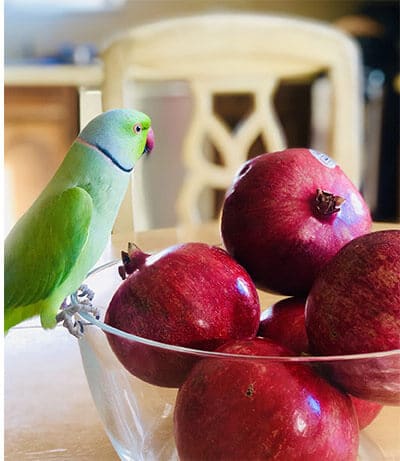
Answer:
(40, 123)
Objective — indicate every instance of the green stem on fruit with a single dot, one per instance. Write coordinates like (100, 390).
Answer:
(326, 204)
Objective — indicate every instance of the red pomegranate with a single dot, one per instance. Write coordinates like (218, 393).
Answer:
(354, 308)
(286, 214)
(193, 295)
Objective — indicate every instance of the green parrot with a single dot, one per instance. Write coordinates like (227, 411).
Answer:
(50, 250)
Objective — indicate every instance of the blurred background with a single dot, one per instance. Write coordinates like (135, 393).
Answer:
(42, 104)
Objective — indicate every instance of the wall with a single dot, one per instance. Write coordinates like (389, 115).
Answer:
(31, 32)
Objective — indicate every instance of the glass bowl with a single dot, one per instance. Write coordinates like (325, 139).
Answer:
(138, 417)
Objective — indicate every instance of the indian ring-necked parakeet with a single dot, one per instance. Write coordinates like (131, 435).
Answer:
(52, 247)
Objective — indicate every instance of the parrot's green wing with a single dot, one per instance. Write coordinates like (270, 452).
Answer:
(44, 248)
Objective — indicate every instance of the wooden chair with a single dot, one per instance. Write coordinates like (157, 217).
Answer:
(235, 54)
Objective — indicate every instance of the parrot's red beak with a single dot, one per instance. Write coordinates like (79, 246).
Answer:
(149, 141)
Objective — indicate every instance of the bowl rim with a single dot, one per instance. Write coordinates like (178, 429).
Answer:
(91, 320)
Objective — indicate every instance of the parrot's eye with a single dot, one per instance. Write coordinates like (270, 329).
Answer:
(137, 128)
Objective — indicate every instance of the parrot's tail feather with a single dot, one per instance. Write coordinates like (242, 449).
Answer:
(15, 315)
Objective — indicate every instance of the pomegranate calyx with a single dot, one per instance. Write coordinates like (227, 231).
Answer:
(326, 204)
(133, 259)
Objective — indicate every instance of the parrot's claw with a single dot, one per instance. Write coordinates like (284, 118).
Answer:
(74, 327)
(86, 293)
(65, 304)
(67, 316)
(81, 302)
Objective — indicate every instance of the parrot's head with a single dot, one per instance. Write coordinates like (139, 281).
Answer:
(122, 135)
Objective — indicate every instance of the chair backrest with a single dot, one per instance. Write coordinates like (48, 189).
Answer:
(235, 54)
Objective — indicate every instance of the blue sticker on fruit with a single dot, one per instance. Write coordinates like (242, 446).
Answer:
(323, 158)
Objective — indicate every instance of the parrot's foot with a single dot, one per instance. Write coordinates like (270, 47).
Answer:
(67, 316)
(86, 293)
(81, 302)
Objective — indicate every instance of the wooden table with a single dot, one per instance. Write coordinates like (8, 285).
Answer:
(49, 414)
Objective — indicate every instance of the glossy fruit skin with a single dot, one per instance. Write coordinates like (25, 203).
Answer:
(354, 307)
(193, 295)
(366, 411)
(271, 226)
(284, 322)
(239, 409)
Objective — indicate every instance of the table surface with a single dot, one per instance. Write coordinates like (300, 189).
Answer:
(48, 410)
